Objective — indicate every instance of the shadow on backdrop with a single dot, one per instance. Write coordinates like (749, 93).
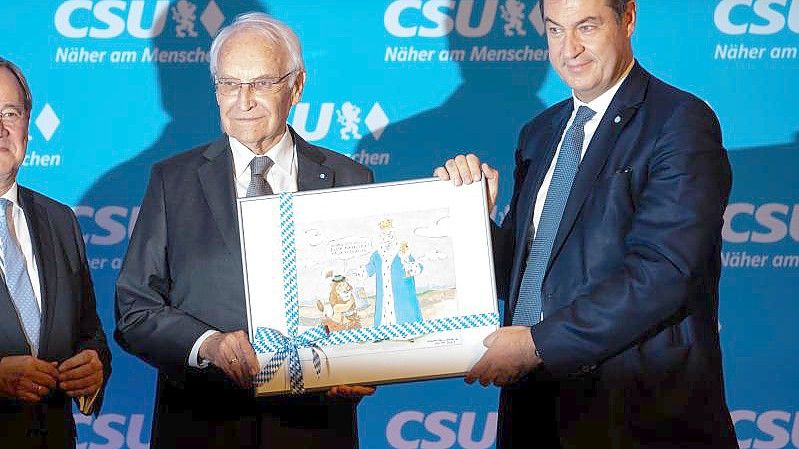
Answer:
(483, 115)
(187, 98)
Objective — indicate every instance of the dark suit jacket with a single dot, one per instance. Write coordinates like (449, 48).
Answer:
(630, 297)
(69, 323)
(182, 276)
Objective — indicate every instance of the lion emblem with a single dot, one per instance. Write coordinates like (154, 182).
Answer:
(183, 14)
(513, 15)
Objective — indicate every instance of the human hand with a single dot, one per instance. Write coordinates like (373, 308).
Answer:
(232, 353)
(27, 378)
(465, 169)
(81, 374)
(510, 356)
(351, 391)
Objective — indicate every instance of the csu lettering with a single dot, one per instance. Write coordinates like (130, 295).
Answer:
(402, 18)
(767, 223)
(444, 428)
(107, 19)
(773, 429)
(107, 225)
(756, 16)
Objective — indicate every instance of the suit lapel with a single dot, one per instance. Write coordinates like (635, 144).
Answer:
(216, 179)
(619, 112)
(312, 174)
(39, 229)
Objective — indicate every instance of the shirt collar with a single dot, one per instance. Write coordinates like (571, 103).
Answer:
(282, 153)
(12, 194)
(601, 103)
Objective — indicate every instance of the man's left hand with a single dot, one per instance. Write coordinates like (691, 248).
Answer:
(82, 374)
(510, 356)
(351, 391)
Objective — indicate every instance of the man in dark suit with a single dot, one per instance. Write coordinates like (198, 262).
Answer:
(609, 256)
(52, 347)
(180, 294)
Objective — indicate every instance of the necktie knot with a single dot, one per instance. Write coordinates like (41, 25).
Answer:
(260, 165)
(584, 114)
(3, 206)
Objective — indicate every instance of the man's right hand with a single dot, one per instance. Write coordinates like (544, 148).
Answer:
(233, 354)
(27, 378)
(465, 169)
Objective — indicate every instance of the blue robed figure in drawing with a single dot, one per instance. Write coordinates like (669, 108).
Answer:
(394, 269)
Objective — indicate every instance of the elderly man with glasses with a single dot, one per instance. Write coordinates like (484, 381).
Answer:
(180, 302)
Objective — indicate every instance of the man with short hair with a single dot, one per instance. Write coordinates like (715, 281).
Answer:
(52, 346)
(180, 294)
(609, 256)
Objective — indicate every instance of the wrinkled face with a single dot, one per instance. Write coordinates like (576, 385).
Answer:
(13, 126)
(588, 47)
(256, 118)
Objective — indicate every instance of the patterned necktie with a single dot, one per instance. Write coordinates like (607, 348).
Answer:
(528, 304)
(18, 282)
(259, 167)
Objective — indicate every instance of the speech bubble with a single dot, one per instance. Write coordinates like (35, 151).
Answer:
(347, 248)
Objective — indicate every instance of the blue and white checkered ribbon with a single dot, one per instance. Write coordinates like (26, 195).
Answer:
(288, 346)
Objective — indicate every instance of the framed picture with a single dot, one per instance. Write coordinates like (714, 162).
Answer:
(367, 285)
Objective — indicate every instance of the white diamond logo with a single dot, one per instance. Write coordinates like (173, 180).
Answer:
(212, 18)
(376, 121)
(536, 20)
(47, 121)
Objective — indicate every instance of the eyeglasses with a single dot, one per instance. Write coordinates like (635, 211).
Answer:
(230, 86)
(11, 115)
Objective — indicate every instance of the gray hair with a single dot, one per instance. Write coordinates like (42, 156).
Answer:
(23, 83)
(269, 28)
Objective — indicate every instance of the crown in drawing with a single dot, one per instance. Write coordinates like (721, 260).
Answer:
(385, 224)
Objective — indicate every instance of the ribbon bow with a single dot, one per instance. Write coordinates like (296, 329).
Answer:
(271, 340)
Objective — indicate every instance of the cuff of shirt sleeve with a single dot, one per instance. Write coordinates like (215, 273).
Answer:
(194, 356)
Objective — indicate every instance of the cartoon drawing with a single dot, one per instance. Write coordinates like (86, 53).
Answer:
(183, 14)
(513, 15)
(340, 312)
(394, 269)
(349, 117)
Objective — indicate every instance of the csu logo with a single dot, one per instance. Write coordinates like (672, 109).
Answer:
(774, 429)
(438, 18)
(348, 119)
(107, 19)
(764, 223)
(756, 16)
(440, 430)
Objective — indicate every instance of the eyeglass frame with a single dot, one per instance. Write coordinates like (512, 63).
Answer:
(239, 84)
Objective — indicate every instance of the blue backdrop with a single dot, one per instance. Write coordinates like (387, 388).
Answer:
(120, 84)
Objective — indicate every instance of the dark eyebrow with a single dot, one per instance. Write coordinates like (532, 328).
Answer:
(587, 19)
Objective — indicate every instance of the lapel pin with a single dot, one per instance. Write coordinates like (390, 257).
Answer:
(617, 119)
(322, 176)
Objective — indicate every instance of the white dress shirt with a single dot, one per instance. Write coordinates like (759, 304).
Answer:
(600, 106)
(282, 177)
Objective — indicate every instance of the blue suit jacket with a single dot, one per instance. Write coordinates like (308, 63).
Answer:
(630, 297)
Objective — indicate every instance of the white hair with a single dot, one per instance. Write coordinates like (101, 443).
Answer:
(269, 28)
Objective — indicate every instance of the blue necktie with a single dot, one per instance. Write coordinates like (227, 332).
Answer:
(528, 304)
(18, 282)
